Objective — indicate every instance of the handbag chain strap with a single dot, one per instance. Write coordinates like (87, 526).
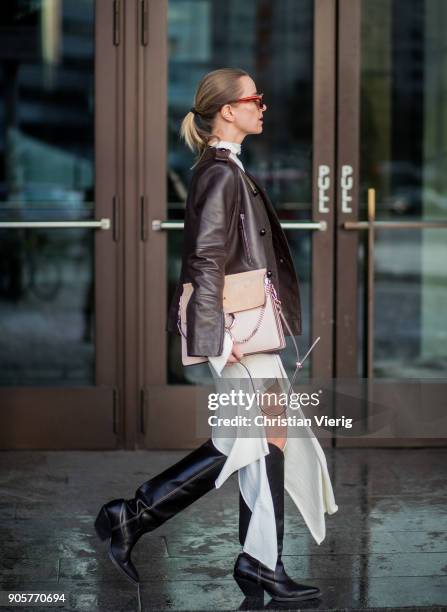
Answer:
(299, 362)
(269, 289)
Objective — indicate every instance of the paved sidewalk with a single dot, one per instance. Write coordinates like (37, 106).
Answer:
(386, 548)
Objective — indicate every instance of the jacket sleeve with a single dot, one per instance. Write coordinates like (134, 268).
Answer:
(211, 210)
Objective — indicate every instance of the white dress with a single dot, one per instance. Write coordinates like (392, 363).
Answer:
(306, 477)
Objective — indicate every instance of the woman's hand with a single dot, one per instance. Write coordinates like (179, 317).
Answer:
(235, 355)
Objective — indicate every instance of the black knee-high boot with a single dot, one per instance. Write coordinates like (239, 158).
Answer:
(252, 576)
(156, 501)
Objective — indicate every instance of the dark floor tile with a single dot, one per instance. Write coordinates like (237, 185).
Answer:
(303, 567)
(303, 543)
(381, 593)
(384, 549)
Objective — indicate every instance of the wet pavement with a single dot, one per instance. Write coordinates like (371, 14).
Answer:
(386, 547)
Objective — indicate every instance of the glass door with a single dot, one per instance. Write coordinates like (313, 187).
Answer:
(288, 48)
(57, 270)
(391, 271)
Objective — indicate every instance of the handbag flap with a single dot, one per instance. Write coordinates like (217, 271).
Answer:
(242, 291)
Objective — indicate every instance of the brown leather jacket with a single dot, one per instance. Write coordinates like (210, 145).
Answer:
(230, 226)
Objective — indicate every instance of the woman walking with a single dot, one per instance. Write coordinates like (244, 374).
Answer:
(220, 240)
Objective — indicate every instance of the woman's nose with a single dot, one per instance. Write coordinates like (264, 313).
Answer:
(264, 107)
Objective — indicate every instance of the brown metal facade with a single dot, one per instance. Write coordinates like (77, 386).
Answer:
(132, 405)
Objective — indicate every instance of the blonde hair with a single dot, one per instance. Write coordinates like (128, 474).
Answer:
(215, 89)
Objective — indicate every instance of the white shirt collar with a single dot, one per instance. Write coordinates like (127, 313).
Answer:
(234, 147)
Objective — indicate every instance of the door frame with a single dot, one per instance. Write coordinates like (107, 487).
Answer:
(85, 417)
(165, 414)
(347, 240)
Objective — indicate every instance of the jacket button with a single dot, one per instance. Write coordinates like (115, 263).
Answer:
(262, 231)
(269, 273)
(281, 260)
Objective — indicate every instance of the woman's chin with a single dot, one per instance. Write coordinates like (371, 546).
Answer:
(258, 130)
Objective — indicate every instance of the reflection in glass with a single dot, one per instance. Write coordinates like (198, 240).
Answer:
(404, 108)
(404, 157)
(411, 302)
(273, 42)
(46, 174)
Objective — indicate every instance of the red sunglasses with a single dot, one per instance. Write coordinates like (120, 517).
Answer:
(258, 99)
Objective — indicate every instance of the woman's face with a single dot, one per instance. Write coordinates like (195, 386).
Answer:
(247, 116)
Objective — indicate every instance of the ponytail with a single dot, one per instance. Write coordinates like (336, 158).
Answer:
(196, 138)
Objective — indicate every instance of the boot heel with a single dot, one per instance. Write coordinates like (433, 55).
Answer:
(249, 588)
(102, 525)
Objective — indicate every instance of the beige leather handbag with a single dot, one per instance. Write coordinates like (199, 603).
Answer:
(252, 314)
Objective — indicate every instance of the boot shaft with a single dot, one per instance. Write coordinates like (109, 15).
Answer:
(174, 489)
(274, 463)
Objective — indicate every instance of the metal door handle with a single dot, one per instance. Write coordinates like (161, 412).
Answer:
(158, 225)
(103, 224)
(370, 226)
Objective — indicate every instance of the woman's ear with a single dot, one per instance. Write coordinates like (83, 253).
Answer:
(227, 113)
